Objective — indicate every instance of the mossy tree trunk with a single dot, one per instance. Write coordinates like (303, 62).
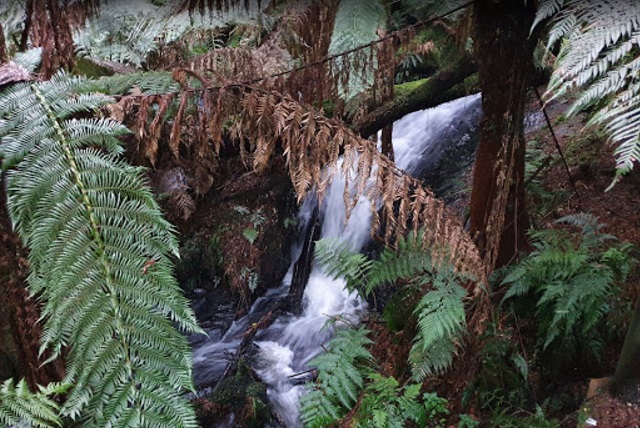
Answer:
(498, 218)
(442, 87)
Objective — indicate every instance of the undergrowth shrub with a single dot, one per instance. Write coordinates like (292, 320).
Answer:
(20, 407)
(535, 420)
(502, 379)
(348, 387)
(571, 278)
(541, 199)
(387, 404)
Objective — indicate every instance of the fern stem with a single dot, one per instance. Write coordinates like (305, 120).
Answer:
(95, 227)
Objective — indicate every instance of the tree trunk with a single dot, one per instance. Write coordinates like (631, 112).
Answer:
(498, 218)
(23, 310)
(387, 142)
(430, 93)
(3, 47)
(47, 25)
(626, 381)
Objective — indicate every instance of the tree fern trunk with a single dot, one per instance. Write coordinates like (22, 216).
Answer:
(626, 381)
(47, 26)
(23, 310)
(3, 47)
(505, 51)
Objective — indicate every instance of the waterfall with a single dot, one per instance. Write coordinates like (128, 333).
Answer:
(290, 342)
(288, 345)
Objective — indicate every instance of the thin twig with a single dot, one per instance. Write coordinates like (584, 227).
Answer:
(557, 144)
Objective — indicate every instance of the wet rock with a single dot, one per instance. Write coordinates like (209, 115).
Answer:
(240, 401)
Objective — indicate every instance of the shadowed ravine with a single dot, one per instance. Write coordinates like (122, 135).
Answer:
(287, 345)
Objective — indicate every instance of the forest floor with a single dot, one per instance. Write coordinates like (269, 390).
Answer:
(581, 186)
(591, 169)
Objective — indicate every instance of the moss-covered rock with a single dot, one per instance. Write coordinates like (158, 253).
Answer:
(241, 397)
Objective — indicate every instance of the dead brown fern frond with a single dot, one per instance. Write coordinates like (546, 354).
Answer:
(268, 124)
(310, 141)
(176, 51)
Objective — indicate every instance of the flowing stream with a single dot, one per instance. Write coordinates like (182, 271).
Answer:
(287, 345)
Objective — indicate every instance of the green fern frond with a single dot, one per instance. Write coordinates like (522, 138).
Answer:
(341, 374)
(571, 276)
(547, 9)
(431, 8)
(356, 24)
(12, 15)
(407, 260)
(427, 361)
(19, 406)
(440, 312)
(441, 324)
(588, 223)
(29, 59)
(590, 229)
(121, 37)
(99, 257)
(599, 55)
(149, 83)
(339, 261)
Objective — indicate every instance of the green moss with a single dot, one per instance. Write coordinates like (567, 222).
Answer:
(246, 397)
(405, 89)
(89, 68)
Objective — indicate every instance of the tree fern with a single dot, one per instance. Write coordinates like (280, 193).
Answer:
(121, 37)
(599, 55)
(92, 228)
(340, 379)
(19, 406)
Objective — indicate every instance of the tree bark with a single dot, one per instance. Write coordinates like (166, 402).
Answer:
(3, 47)
(23, 309)
(433, 91)
(498, 218)
(626, 380)
(387, 142)
(47, 25)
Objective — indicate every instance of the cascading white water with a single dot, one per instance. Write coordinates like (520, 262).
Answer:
(289, 343)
